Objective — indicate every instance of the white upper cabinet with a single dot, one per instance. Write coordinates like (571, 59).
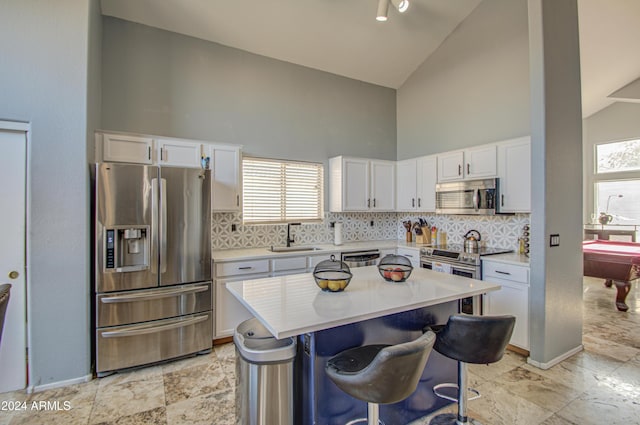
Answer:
(473, 163)
(406, 185)
(383, 185)
(450, 166)
(226, 182)
(416, 184)
(360, 184)
(514, 171)
(179, 153)
(124, 148)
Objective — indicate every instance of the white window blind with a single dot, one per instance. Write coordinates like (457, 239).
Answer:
(277, 191)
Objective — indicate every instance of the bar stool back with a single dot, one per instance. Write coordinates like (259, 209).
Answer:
(469, 339)
(380, 374)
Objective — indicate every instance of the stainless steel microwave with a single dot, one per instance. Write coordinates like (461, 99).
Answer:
(475, 197)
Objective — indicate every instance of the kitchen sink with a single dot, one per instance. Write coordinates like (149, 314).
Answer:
(293, 248)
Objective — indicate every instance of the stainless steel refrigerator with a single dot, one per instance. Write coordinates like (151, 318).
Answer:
(152, 264)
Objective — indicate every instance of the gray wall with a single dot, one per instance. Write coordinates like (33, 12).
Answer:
(43, 80)
(619, 121)
(163, 83)
(556, 170)
(474, 89)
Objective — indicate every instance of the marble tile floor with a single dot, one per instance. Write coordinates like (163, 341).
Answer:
(600, 385)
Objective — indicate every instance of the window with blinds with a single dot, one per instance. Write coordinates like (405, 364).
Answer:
(276, 191)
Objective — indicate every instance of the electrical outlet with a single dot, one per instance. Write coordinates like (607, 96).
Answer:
(554, 240)
(233, 228)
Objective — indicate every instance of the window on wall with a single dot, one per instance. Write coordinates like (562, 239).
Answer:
(276, 191)
(617, 181)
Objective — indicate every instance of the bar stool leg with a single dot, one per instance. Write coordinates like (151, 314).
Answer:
(373, 416)
(463, 398)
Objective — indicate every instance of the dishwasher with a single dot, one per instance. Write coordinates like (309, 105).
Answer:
(368, 257)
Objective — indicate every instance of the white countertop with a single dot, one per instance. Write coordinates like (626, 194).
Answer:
(225, 255)
(509, 258)
(293, 305)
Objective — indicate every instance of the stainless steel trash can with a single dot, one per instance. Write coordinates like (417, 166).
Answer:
(264, 376)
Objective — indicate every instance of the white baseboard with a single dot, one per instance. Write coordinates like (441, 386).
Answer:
(553, 362)
(52, 385)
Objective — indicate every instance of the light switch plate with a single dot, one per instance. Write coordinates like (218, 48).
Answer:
(554, 240)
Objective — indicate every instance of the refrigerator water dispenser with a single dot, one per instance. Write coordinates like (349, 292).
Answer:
(126, 248)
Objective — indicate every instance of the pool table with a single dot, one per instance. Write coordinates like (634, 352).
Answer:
(616, 262)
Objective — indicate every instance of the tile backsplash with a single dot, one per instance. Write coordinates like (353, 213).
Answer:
(497, 231)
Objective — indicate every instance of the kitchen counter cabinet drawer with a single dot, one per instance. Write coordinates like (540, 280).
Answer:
(314, 260)
(238, 268)
(289, 263)
(504, 271)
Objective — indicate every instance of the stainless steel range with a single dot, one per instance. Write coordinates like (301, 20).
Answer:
(453, 259)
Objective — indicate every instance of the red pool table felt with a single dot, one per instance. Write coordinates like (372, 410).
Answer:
(617, 262)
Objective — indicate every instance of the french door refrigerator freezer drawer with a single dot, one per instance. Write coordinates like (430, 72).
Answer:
(135, 345)
(121, 308)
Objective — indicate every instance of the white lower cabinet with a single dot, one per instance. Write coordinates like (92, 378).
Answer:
(229, 312)
(412, 254)
(512, 298)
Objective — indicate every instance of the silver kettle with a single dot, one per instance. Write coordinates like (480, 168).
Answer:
(472, 241)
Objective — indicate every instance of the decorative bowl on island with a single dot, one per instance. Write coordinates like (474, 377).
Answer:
(395, 268)
(332, 275)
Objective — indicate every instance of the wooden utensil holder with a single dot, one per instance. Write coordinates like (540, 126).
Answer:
(425, 237)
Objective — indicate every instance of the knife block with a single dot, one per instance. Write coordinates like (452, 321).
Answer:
(425, 237)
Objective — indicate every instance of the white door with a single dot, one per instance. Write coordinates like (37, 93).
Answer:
(13, 156)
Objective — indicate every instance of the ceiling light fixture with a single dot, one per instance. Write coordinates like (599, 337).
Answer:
(383, 8)
(401, 5)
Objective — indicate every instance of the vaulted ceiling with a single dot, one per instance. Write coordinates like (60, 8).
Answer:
(343, 37)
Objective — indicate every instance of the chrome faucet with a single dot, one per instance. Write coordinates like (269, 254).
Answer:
(290, 240)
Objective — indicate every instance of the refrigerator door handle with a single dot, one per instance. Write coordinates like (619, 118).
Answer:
(154, 225)
(163, 225)
(153, 295)
(148, 329)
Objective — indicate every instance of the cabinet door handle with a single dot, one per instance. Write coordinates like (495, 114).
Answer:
(468, 168)
(245, 268)
(501, 272)
(502, 200)
(413, 202)
(149, 152)
(419, 203)
(374, 202)
(369, 203)
(237, 200)
(161, 154)
(459, 169)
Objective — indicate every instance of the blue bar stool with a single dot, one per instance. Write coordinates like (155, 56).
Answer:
(380, 374)
(469, 339)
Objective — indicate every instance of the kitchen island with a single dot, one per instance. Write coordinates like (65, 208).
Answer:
(369, 311)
